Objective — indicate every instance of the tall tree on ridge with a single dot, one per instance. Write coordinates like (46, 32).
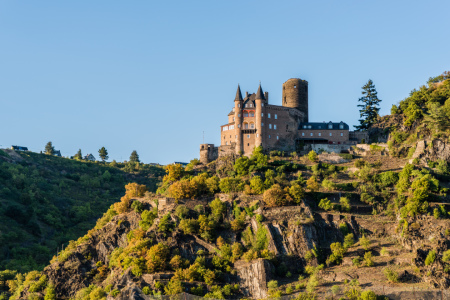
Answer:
(49, 149)
(103, 153)
(369, 108)
(134, 157)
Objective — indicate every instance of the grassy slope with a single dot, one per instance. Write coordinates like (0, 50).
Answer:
(45, 201)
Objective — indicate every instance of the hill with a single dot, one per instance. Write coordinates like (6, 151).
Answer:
(352, 226)
(45, 201)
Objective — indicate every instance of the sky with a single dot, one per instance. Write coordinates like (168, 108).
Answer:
(160, 77)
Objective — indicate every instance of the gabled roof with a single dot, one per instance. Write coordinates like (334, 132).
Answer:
(323, 126)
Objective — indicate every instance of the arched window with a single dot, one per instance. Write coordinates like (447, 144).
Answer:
(245, 125)
(245, 114)
(252, 114)
(252, 125)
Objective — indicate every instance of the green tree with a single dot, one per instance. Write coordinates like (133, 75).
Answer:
(103, 153)
(134, 157)
(78, 156)
(369, 107)
(49, 149)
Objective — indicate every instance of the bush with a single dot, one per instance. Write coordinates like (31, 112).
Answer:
(297, 193)
(181, 211)
(325, 204)
(349, 240)
(368, 259)
(345, 204)
(359, 163)
(431, 257)
(275, 196)
(257, 185)
(312, 156)
(390, 274)
(364, 242)
(368, 295)
(312, 184)
(446, 256)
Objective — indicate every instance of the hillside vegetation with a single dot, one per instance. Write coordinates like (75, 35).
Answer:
(371, 224)
(45, 201)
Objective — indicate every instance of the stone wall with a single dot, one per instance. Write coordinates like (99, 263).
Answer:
(208, 153)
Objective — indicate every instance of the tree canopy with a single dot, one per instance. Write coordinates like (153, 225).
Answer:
(103, 153)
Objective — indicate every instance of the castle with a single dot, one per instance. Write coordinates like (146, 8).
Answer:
(254, 122)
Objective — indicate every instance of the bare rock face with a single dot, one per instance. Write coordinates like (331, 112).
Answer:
(254, 276)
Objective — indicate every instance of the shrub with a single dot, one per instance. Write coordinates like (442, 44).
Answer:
(275, 196)
(297, 193)
(312, 156)
(364, 242)
(337, 253)
(431, 257)
(181, 211)
(446, 256)
(359, 163)
(349, 240)
(257, 185)
(384, 252)
(147, 218)
(115, 292)
(325, 204)
(356, 261)
(368, 259)
(157, 257)
(390, 274)
(368, 295)
(345, 204)
(165, 224)
(173, 287)
(312, 184)
(218, 209)
(137, 206)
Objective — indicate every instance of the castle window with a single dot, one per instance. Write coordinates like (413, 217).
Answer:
(245, 125)
(269, 136)
(233, 119)
(274, 126)
(342, 134)
(251, 105)
(248, 144)
(311, 134)
(239, 115)
(230, 136)
(262, 124)
(239, 125)
(262, 114)
(226, 143)
(252, 126)
(330, 126)
(239, 105)
(257, 135)
(295, 86)
(246, 105)
(268, 115)
(224, 137)
(245, 114)
(341, 126)
(331, 134)
(270, 126)
(276, 117)
(252, 114)
(320, 133)
(303, 134)
(248, 136)
(277, 137)
(262, 104)
(304, 126)
(233, 109)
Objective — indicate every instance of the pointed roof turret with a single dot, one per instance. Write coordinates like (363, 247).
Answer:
(238, 94)
(259, 93)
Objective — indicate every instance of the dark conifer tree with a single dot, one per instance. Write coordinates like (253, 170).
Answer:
(78, 156)
(49, 149)
(369, 108)
(103, 153)
(134, 157)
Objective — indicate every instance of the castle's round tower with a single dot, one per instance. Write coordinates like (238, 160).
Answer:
(295, 95)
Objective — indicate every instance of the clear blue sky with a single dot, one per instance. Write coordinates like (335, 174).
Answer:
(152, 76)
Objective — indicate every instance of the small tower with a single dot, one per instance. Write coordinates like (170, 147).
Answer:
(259, 102)
(295, 95)
(238, 104)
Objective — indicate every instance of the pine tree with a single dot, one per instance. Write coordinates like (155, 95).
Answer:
(134, 157)
(49, 149)
(103, 153)
(369, 107)
(78, 156)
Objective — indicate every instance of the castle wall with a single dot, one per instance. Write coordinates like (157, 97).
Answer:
(295, 95)
(335, 136)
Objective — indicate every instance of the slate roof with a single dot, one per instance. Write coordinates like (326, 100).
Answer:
(323, 126)
(238, 94)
